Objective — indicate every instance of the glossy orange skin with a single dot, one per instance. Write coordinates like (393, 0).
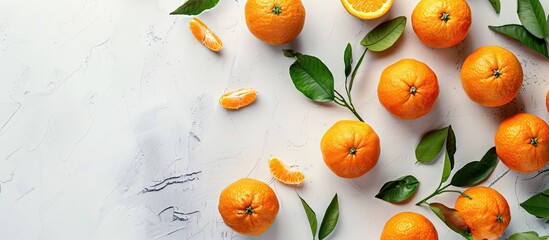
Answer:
(242, 194)
(433, 31)
(515, 146)
(337, 144)
(396, 82)
(204, 35)
(409, 226)
(268, 26)
(479, 79)
(486, 213)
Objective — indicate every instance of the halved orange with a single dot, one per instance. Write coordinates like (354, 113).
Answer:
(367, 9)
(238, 98)
(203, 34)
(285, 174)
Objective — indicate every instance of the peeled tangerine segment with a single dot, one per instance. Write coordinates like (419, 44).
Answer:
(285, 174)
(238, 98)
(203, 34)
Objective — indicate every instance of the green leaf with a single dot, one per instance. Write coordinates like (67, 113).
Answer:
(312, 78)
(356, 69)
(452, 219)
(311, 216)
(195, 7)
(527, 236)
(532, 17)
(384, 35)
(329, 221)
(537, 205)
(348, 59)
(430, 145)
(520, 34)
(476, 172)
(290, 53)
(451, 145)
(496, 5)
(398, 190)
(447, 169)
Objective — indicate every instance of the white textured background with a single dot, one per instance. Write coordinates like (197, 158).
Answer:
(102, 100)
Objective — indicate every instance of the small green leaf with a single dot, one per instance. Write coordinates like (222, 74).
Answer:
(356, 69)
(520, 34)
(532, 17)
(384, 35)
(290, 53)
(496, 5)
(447, 169)
(398, 190)
(451, 145)
(430, 145)
(527, 236)
(195, 7)
(537, 205)
(311, 216)
(329, 221)
(312, 78)
(348, 59)
(452, 219)
(476, 172)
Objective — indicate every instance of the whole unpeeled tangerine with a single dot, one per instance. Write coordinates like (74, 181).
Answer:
(441, 23)
(522, 142)
(275, 21)
(408, 89)
(248, 206)
(491, 76)
(350, 148)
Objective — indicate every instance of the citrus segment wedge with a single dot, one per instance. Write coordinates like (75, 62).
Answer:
(367, 9)
(285, 174)
(238, 98)
(204, 35)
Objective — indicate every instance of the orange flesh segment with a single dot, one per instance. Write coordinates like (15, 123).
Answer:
(366, 6)
(238, 98)
(285, 174)
(204, 35)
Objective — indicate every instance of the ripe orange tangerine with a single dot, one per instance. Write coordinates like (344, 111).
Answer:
(204, 35)
(238, 98)
(285, 174)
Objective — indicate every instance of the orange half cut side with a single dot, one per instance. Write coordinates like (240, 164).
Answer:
(285, 174)
(238, 98)
(367, 9)
(203, 34)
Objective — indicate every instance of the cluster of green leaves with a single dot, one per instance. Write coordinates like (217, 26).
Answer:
(315, 80)
(428, 149)
(473, 173)
(329, 221)
(195, 7)
(527, 236)
(538, 205)
(534, 31)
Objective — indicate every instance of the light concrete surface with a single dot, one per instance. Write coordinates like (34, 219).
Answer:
(110, 126)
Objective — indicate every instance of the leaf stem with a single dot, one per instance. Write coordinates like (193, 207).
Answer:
(437, 192)
(457, 191)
